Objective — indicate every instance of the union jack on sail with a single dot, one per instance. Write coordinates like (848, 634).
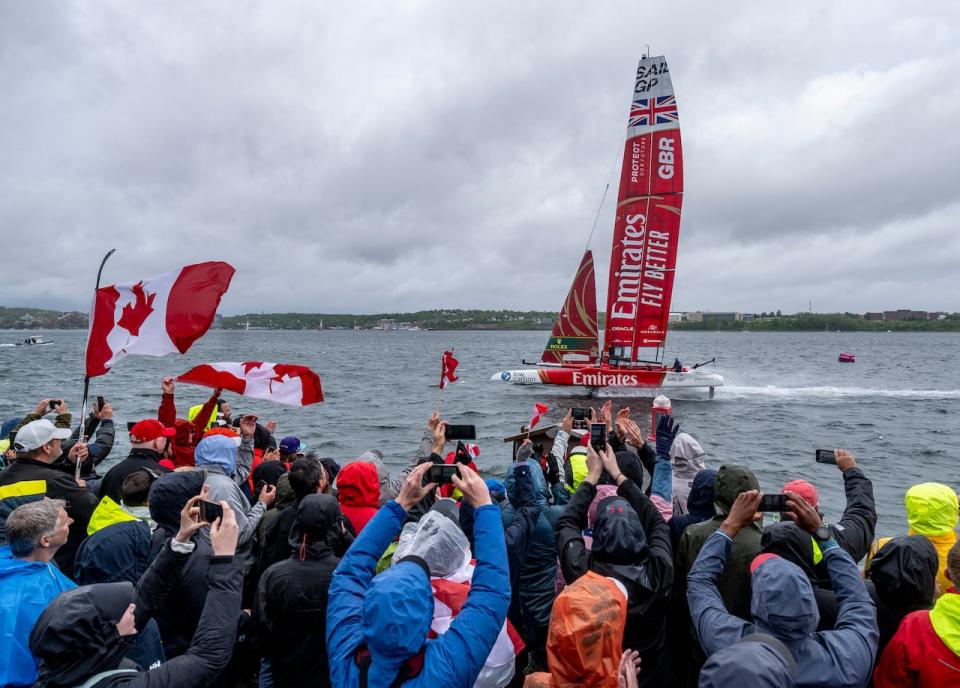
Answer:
(646, 112)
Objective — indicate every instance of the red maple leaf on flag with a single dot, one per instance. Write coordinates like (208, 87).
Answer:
(134, 315)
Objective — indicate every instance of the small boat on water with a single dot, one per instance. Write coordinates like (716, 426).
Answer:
(35, 340)
(847, 357)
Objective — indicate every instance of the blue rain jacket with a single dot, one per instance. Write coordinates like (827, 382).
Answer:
(391, 613)
(26, 587)
(783, 606)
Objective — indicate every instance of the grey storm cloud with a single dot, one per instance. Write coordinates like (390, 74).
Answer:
(374, 157)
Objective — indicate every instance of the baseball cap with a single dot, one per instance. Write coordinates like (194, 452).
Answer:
(291, 445)
(804, 489)
(149, 429)
(36, 434)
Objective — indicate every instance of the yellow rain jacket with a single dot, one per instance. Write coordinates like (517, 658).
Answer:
(932, 510)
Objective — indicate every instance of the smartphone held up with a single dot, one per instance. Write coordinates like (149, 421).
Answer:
(210, 511)
(598, 436)
(826, 456)
(441, 474)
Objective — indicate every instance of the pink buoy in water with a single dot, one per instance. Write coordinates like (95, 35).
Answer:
(847, 357)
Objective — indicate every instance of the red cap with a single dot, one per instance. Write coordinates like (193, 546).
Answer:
(804, 489)
(149, 429)
(761, 559)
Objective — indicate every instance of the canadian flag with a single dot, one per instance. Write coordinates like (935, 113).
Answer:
(156, 316)
(538, 410)
(448, 365)
(294, 385)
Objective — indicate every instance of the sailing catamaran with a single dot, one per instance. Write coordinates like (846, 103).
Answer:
(642, 264)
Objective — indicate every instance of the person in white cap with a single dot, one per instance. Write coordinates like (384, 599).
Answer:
(31, 477)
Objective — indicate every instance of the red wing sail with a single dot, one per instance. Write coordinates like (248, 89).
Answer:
(647, 226)
(575, 331)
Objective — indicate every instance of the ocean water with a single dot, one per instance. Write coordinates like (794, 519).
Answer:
(897, 408)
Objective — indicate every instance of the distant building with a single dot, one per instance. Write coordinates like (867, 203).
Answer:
(386, 324)
(747, 316)
(694, 316)
(676, 317)
(903, 314)
(27, 320)
(217, 321)
(722, 316)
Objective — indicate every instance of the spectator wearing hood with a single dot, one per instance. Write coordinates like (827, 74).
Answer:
(932, 511)
(631, 544)
(28, 582)
(179, 616)
(783, 603)
(438, 539)
(84, 634)
(903, 579)
(377, 628)
(290, 611)
(586, 634)
(687, 457)
(117, 547)
(216, 456)
(854, 531)
(925, 650)
(358, 491)
(734, 582)
(306, 477)
(757, 660)
(149, 439)
(535, 590)
(699, 506)
(32, 477)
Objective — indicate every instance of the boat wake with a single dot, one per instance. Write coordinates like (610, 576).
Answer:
(746, 392)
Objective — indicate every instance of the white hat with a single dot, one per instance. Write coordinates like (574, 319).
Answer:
(36, 434)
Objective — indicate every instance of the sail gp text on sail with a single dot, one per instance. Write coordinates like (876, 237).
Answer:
(642, 257)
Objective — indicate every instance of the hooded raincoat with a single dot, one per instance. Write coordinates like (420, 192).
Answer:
(438, 540)
(586, 636)
(291, 604)
(26, 587)
(631, 543)
(755, 661)
(687, 457)
(389, 616)
(699, 505)
(358, 490)
(932, 513)
(783, 606)
(76, 637)
(535, 589)
(925, 651)
(116, 549)
(903, 576)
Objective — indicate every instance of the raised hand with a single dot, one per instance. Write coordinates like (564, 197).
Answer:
(267, 494)
(474, 488)
(632, 433)
(629, 668)
(606, 414)
(78, 452)
(845, 460)
(666, 432)
(167, 385)
(42, 408)
(190, 521)
(802, 513)
(433, 421)
(106, 413)
(61, 407)
(567, 423)
(439, 436)
(594, 465)
(610, 465)
(742, 513)
(413, 489)
(271, 426)
(248, 426)
(224, 533)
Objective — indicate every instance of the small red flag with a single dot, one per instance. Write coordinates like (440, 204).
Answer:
(538, 410)
(448, 365)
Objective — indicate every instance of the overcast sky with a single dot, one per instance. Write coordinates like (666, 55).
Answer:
(372, 156)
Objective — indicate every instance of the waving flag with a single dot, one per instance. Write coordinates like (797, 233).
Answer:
(448, 364)
(294, 385)
(538, 411)
(156, 316)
